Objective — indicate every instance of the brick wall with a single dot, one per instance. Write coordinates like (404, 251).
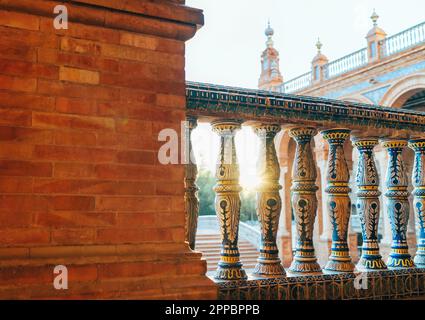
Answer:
(80, 182)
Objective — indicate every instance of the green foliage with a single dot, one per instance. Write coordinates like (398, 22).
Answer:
(248, 211)
(206, 182)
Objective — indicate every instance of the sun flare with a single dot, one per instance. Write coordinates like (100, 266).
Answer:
(206, 143)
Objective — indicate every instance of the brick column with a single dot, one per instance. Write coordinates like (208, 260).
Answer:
(80, 180)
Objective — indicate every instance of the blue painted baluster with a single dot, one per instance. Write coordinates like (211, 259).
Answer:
(227, 201)
(339, 204)
(367, 181)
(304, 200)
(397, 204)
(269, 203)
(418, 179)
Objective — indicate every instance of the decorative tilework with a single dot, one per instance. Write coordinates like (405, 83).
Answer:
(348, 90)
(417, 67)
(245, 104)
(385, 284)
(376, 95)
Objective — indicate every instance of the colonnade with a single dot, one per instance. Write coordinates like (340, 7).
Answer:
(304, 200)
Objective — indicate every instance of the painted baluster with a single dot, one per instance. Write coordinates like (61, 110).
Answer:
(367, 181)
(339, 203)
(269, 203)
(227, 201)
(191, 189)
(397, 204)
(304, 200)
(418, 179)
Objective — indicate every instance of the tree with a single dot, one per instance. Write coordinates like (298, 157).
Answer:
(206, 182)
(248, 211)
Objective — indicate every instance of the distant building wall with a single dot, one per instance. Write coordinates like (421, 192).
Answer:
(378, 83)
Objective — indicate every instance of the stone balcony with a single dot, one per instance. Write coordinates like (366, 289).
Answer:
(340, 124)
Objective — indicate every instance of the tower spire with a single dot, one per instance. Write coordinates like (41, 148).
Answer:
(319, 45)
(374, 18)
(374, 39)
(270, 78)
(269, 34)
(318, 62)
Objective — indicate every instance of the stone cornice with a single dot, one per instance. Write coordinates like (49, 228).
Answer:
(166, 9)
(215, 101)
(177, 21)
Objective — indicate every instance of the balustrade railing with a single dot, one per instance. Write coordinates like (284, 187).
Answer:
(356, 60)
(404, 40)
(300, 82)
(303, 117)
(345, 64)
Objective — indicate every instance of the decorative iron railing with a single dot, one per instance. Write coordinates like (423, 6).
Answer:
(404, 40)
(301, 119)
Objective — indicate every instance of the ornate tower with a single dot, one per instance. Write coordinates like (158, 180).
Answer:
(374, 39)
(270, 77)
(318, 63)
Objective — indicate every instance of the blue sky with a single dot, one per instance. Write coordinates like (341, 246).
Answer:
(227, 49)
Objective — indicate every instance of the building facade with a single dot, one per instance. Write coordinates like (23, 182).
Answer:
(388, 72)
(82, 189)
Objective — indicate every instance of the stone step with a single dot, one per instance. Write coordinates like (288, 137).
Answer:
(216, 251)
(217, 245)
(242, 258)
(218, 241)
(210, 246)
(250, 265)
(246, 266)
(241, 253)
(207, 236)
(250, 253)
(244, 261)
(218, 248)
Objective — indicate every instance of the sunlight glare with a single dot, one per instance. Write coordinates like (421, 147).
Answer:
(206, 143)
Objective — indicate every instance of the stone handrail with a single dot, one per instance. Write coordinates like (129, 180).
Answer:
(356, 60)
(214, 101)
(298, 83)
(336, 123)
(332, 69)
(345, 64)
(404, 40)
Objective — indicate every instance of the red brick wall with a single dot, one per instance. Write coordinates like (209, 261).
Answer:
(80, 182)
